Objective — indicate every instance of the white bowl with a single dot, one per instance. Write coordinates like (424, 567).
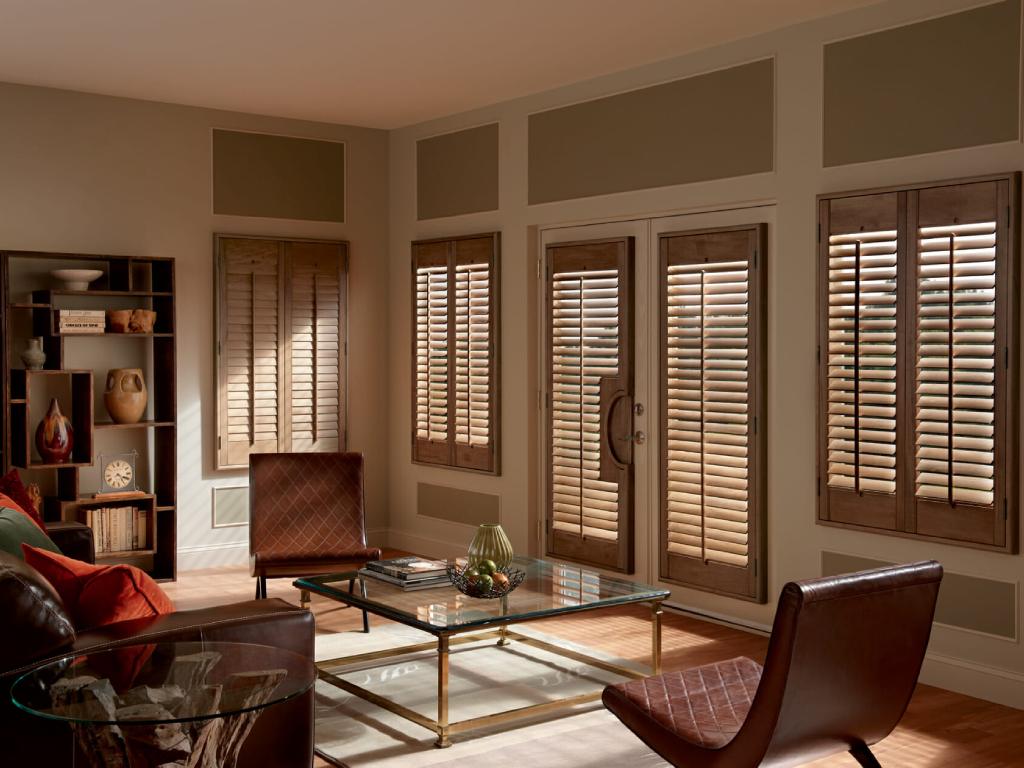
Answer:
(76, 279)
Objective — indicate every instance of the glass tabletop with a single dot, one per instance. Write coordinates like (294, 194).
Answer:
(549, 589)
(159, 683)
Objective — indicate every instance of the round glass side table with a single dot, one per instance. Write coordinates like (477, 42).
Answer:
(156, 704)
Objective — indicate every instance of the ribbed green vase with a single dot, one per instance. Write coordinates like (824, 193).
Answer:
(490, 543)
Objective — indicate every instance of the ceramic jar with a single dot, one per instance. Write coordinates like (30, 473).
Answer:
(490, 543)
(33, 357)
(54, 436)
(125, 396)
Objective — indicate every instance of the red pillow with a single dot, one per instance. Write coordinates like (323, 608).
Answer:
(97, 595)
(14, 490)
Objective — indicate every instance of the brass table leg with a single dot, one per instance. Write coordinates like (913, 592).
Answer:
(303, 598)
(503, 630)
(442, 692)
(656, 637)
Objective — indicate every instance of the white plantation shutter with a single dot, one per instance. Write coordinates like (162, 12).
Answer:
(455, 391)
(918, 411)
(589, 354)
(315, 346)
(281, 336)
(710, 395)
(250, 417)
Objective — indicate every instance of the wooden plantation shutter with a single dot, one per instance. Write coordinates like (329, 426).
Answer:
(861, 384)
(455, 392)
(712, 371)
(932, 308)
(280, 346)
(590, 378)
(249, 338)
(316, 281)
(963, 289)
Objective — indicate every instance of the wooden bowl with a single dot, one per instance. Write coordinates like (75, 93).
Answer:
(118, 319)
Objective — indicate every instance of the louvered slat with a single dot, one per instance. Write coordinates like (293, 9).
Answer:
(432, 353)
(861, 355)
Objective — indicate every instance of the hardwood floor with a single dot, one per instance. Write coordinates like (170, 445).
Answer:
(941, 728)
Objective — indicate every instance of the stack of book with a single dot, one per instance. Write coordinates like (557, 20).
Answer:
(409, 573)
(81, 321)
(118, 529)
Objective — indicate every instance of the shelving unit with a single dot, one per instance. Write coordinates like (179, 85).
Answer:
(28, 308)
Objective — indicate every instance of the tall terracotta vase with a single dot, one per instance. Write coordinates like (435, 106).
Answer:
(54, 436)
(490, 543)
(125, 395)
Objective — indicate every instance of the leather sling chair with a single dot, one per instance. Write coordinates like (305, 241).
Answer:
(842, 663)
(306, 517)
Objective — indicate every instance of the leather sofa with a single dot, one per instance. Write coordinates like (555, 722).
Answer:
(36, 628)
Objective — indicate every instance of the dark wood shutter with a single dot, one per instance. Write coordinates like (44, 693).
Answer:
(280, 346)
(961, 297)
(315, 346)
(249, 335)
(918, 388)
(712, 374)
(589, 358)
(456, 393)
(861, 384)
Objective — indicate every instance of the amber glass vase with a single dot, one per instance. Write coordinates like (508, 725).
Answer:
(54, 436)
(490, 543)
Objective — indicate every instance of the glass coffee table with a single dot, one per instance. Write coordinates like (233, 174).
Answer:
(153, 704)
(549, 590)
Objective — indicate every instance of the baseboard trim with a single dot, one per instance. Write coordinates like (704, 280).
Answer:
(1002, 686)
(201, 556)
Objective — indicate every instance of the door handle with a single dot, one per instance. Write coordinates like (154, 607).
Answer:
(616, 407)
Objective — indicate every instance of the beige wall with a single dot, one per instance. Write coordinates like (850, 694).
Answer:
(971, 662)
(87, 173)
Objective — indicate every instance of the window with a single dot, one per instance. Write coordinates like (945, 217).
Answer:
(917, 350)
(280, 346)
(455, 391)
(712, 385)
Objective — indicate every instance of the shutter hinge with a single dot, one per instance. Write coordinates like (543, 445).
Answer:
(755, 425)
(1007, 217)
(218, 349)
(819, 231)
(755, 258)
(1006, 357)
(818, 354)
(817, 485)
(1005, 513)
(219, 444)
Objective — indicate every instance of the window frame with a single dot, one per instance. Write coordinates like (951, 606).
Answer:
(431, 453)
(858, 515)
(749, 583)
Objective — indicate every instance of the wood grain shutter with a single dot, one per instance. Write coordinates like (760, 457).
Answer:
(315, 345)
(918, 414)
(962, 296)
(589, 356)
(861, 385)
(249, 336)
(456, 393)
(712, 374)
(280, 346)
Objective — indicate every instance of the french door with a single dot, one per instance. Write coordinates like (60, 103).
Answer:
(653, 376)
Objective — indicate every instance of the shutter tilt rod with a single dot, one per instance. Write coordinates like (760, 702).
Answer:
(856, 366)
(949, 381)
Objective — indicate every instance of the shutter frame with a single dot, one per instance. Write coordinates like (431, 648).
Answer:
(604, 254)
(994, 528)
(746, 243)
(451, 253)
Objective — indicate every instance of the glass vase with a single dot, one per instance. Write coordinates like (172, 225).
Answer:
(490, 543)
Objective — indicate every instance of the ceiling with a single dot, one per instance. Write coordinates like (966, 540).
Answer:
(378, 63)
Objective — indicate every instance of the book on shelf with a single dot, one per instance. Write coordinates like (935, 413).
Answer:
(118, 529)
(409, 568)
(409, 585)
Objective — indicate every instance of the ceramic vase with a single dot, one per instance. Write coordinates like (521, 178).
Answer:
(33, 357)
(54, 436)
(490, 543)
(125, 396)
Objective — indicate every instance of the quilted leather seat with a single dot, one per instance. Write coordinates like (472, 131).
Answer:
(843, 660)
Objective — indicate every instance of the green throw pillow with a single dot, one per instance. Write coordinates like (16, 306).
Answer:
(16, 529)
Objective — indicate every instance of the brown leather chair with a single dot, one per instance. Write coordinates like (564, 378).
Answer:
(37, 629)
(842, 664)
(306, 517)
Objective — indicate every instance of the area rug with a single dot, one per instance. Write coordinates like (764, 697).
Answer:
(483, 679)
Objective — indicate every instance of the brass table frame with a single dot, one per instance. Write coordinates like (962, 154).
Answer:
(504, 636)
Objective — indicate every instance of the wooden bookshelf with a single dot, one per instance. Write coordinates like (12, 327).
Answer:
(30, 301)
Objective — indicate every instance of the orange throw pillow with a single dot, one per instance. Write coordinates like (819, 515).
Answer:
(97, 595)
